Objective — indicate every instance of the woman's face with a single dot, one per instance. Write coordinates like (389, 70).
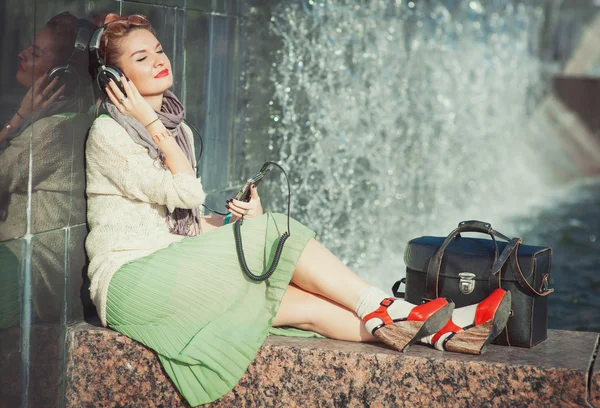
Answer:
(144, 62)
(38, 58)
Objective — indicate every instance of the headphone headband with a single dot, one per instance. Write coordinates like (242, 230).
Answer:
(101, 72)
(70, 74)
(84, 32)
(95, 47)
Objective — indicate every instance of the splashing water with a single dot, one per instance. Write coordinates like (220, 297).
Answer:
(399, 119)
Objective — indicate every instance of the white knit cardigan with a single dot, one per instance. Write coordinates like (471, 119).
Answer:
(128, 193)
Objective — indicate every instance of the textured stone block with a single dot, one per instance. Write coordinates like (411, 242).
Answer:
(10, 367)
(595, 378)
(106, 369)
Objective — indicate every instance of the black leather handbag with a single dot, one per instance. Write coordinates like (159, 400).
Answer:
(467, 270)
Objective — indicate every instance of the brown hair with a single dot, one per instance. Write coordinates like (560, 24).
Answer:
(64, 29)
(117, 28)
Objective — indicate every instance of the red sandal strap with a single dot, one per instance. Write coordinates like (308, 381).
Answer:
(449, 327)
(381, 312)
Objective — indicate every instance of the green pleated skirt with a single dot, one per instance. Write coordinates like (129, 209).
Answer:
(191, 303)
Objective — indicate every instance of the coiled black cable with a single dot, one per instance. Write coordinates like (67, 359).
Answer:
(240, 250)
(238, 225)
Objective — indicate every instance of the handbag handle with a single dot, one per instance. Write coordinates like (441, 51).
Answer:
(435, 263)
(511, 252)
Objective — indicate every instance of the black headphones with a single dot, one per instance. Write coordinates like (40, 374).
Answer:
(71, 73)
(102, 73)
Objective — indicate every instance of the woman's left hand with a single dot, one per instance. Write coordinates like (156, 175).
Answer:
(40, 95)
(248, 209)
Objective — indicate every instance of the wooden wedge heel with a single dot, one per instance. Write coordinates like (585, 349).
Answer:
(400, 332)
(489, 319)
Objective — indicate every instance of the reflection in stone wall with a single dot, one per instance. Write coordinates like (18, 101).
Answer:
(42, 197)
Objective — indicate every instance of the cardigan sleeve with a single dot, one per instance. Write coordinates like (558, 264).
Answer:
(14, 164)
(51, 142)
(118, 165)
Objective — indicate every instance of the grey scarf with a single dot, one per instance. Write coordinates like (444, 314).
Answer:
(182, 221)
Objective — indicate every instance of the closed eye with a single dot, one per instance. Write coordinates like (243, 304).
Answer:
(160, 52)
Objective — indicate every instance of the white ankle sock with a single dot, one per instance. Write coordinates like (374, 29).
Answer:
(370, 300)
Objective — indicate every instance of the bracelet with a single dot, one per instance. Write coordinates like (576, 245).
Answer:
(157, 118)
(21, 116)
(160, 136)
(227, 218)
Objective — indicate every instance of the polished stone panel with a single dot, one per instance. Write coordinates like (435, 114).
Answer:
(197, 63)
(168, 3)
(46, 342)
(18, 32)
(108, 369)
(14, 176)
(77, 292)
(57, 131)
(46, 368)
(230, 7)
(210, 96)
(58, 172)
(11, 256)
(11, 370)
(48, 277)
(201, 5)
(216, 200)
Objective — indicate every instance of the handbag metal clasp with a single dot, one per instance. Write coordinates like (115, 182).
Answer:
(467, 282)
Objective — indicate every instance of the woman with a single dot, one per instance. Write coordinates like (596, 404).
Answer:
(166, 276)
(47, 129)
(51, 47)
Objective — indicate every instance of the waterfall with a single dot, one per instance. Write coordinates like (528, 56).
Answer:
(398, 119)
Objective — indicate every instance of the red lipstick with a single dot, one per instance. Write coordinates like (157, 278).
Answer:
(162, 73)
(21, 68)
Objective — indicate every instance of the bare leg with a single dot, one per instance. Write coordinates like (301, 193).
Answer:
(320, 271)
(308, 311)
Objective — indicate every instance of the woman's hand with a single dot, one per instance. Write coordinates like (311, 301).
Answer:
(132, 103)
(248, 209)
(41, 94)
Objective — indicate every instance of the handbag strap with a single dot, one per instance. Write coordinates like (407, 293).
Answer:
(511, 252)
(435, 263)
(396, 289)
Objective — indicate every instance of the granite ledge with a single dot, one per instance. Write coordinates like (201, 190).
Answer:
(594, 386)
(107, 369)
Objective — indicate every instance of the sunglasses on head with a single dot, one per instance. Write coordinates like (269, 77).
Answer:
(135, 19)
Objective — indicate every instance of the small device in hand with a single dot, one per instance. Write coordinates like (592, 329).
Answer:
(244, 193)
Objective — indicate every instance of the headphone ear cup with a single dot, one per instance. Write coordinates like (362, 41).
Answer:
(65, 76)
(106, 73)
